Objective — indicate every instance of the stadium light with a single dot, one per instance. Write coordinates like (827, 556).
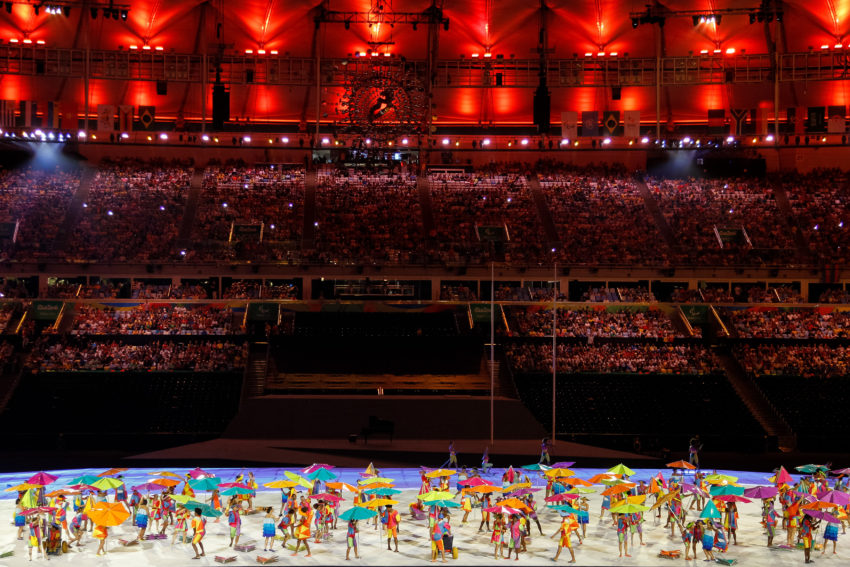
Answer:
(445, 141)
(163, 136)
(205, 138)
(485, 142)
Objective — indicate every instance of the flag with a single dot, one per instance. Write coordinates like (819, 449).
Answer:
(105, 117)
(835, 125)
(569, 125)
(716, 121)
(51, 115)
(28, 110)
(7, 113)
(611, 123)
(147, 116)
(816, 119)
(759, 116)
(590, 123)
(632, 123)
(125, 118)
(739, 118)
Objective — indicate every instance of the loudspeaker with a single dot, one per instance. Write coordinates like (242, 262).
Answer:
(162, 87)
(615, 93)
(542, 102)
(221, 106)
(249, 75)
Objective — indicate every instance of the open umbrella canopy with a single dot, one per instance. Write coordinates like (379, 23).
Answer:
(89, 479)
(838, 497)
(566, 510)
(149, 487)
(639, 499)
(197, 473)
(599, 478)
(22, 486)
(111, 472)
(506, 510)
(840, 471)
(725, 490)
(165, 473)
(688, 488)
(346, 486)
(574, 481)
(665, 498)
(732, 498)
(474, 481)
(810, 468)
(483, 489)
(718, 479)
(61, 492)
(235, 490)
(536, 467)
(762, 492)
(709, 511)
(580, 490)
(822, 515)
(377, 502)
(321, 474)
(515, 503)
(42, 478)
(782, 477)
(205, 484)
(39, 510)
(206, 510)
(561, 497)
(621, 469)
(524, 491)
(358, 513)
(280, 484)
(804, 496)
(681, 465)
(443, 503)
(629, 508)
(108, 513)
(563, 464)
(238, 485)
(618, 489)
(516, 486)
(306, 483)
(374, 480)
(326, 496)
(181, 498)
(382, 491)
(316, 466)
(107, 483)
(167, 482)
(440, 473)
(436, 495)
(560, 472)
(819, 505)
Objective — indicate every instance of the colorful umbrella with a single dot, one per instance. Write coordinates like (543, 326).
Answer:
(111, 472)
(726, 490)
(181, 498)
(326, 496)
(321, 474)
(782, 477)
(206, 483)
(732, 498)
(718, 479)
(85, 479)
(39, 510)
(840, 498)
(821, 515)
(306, 483)
(566, 510)
(762, 492)
(238, 485)
(149, 487)
(42, 479)
(375, 479)
(382, 491)
(681, 465)
(165, 473)
(820, 505)
(664, 499)
(618, 489)
(440, 473)
(506, 510)
(234, 490)
(108, 513)
(166, 482)
(638, 499)
(561, 497)
(61, 492)
(474, 481)
(200, 473)
(377, 502)
(629, 509)
(443, 503)
(316, 466)
(436, 495)
(804, 496)
(599, 478)
(560, 472)
(524, 491)
(483, 489)
(358, 513)
(563, 464)
(710, 511)
(22, 486)
(107, 483)
(580, 490)
(515, 503)
(574, 481)
(206, 510)
(809, 469)
(688, 488)
(346, 486)
(516, 486)
(621, 469)
(536, 467)
(840, 471)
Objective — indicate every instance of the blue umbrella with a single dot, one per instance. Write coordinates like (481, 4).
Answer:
(536, 467)
(321, 474)
(382, 491)
(358, 513)
(726, 490)
(234, 490)
(443, 503)
(205, 484)
(206, 509)
(85, 479)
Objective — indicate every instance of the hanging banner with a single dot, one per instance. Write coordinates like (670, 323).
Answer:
(611, 123)
(125, 118)
(816, 119)
(590, 123)
(147, 115)
(106, 117)
(569, 125)
(739, 118)
(7, 113)
(835, 124)
(632, 124)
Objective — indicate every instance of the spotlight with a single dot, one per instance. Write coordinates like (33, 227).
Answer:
(730, 139)
(697, 20)
(163, 136)
(445, 141)
(124, 14)
(485, 142)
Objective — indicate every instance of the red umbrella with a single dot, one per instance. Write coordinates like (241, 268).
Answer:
(503, 510)
(198, 473)
(782, 477)
(475, 481)
(732, 498)
(561, 497)
(234, 484)
(42, 479)
(327, 496)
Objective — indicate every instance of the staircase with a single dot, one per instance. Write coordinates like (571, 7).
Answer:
(543, 212)
(75, 209)
(654, 210)
(503, 383)
(185, 235)
(308, 234)
(760, 407)
(255, 370)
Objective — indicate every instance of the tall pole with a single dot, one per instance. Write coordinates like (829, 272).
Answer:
(554, 345)
(316, 142)
(658, 85)
(492, 345)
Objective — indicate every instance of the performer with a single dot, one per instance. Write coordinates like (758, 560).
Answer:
(830, 533)
(286, 525)
(568, 525)
(35, 536)
(351, 539)
(544, 451)
(623, 523)
(142, 519)
(101, 533)
(769, 520)
(695, 446)
(496, 538)
(807, 528)
(199, 527)
(268, 530)
(731, 522)
(393, 520)
(181, 525)
(485, 460)
(302, 532)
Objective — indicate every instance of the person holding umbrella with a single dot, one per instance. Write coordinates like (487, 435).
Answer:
(623, 524)
(496, 538)
(199, 529)
(568, 525)
(302, 532)
(708, 542)
(769, 519)
(351, 539)
(731, 522)
(437, 542)
(19, 518)
(393, 520)
(807, 528)
(286, 525)
(695, 446)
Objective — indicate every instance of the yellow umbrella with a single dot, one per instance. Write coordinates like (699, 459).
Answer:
(639, 499)
(374, 480)
(517, 486)
(379, 502)
(298, 479)
(664, 499)
(440, 473)
(165, 473)
(436, 495)
(281, 484)
(181, 498)
(108, 513)
(23, 486)
(107, 483)
(559, 472)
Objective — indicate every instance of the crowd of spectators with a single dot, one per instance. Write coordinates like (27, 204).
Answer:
(788, 323)
(7, 350)
(14, 289)
(834, 296)
(794, 360)
(7, 311)
(613, 358)
(132, 214)
(195, 319)
(619, 294)
(774, 294)
(117, 356)
(189, 291)
(695, 207)
(38, 200)
(591, 322)
(367, 216)
(601, 217)
(458, 292)
(462, 201)
(702, 295)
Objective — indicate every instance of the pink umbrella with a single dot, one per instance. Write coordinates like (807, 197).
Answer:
(762, 492)
(732, 498)
(317, 466)
(150, 486)
(234, 484)
(561, 497)
(836, 497)
(563, 465)
(782, 477)
(475, 481)
(42, 479)
(198, 473)
(326, 496)
(804, 496)
(503, 510)
(841, 471)
(39, 510)
(524, 491)
(822, 515)
(688, 488)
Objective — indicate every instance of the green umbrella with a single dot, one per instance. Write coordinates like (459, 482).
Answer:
(181, 498)
(205, 484)
(234, 490)
(358, 513)
(580, 490)
(321, 474)
(567, 509)
(536, 467)
(726, 490)
(710, 511)
(436, 495)
(629, 508)
(383, 491)
(107, 483)
(375, 479)
(621, 469)
(443, 503)
(206, 509)
(89, 479)
(809, 469)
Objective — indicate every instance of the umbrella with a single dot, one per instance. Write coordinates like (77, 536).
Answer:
(316, 466)
(524, 491)
(629, 509)
(499, 509)
(237, 485)
(29, 500)
(681, 465)
(440, 473)
(375, 479)
(821, 515)
(483, 489)
(782, 477)
(326, 496)
(688, 488)
(443, 503)
(383, 491)
(565, 509)
(809, 469)
(840, 471)
(639, 499)
(165, 473)
(732, 498)
(840, 498)
(820, 505)
(108, 514)
(111, 472)
(61, 492)
(664, 499)
(166, 482)
(726, 490)
(560, 472)
(598, 478)
(436, 495)
(39, 510)
(621, 469)
(358, 513)
(234, 490)
(516, 486)
(42, 479)
(22, 486)
(299, 479)
(377, 502)
(321, 474)
(206, 483)
(85, 479)
(574, 481)
(561, 497)
(710, 511)
(618, 489)
(343, 486)
(536, 467)
(515, 503)
(562, 464)
(200, 473)
(475, 481)
(206, 509)
(804, 496)
(149, 486)
(763, 492)
(107, 483)
(181, 498)
(280, 484)
(721, 479)
(580, 490)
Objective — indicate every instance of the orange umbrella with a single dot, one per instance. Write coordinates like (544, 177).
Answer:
(819, 505)
(111, 472)
(618, 488)
(517, 486)
(62, 492)
(350, 488)
(574, 481)
(598, 478)
(165, 473)
(168, 482)
(681, 465)
(108, 513)
(483, 489)
(515, 503)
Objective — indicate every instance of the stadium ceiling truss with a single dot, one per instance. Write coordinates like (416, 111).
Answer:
(582, 70)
